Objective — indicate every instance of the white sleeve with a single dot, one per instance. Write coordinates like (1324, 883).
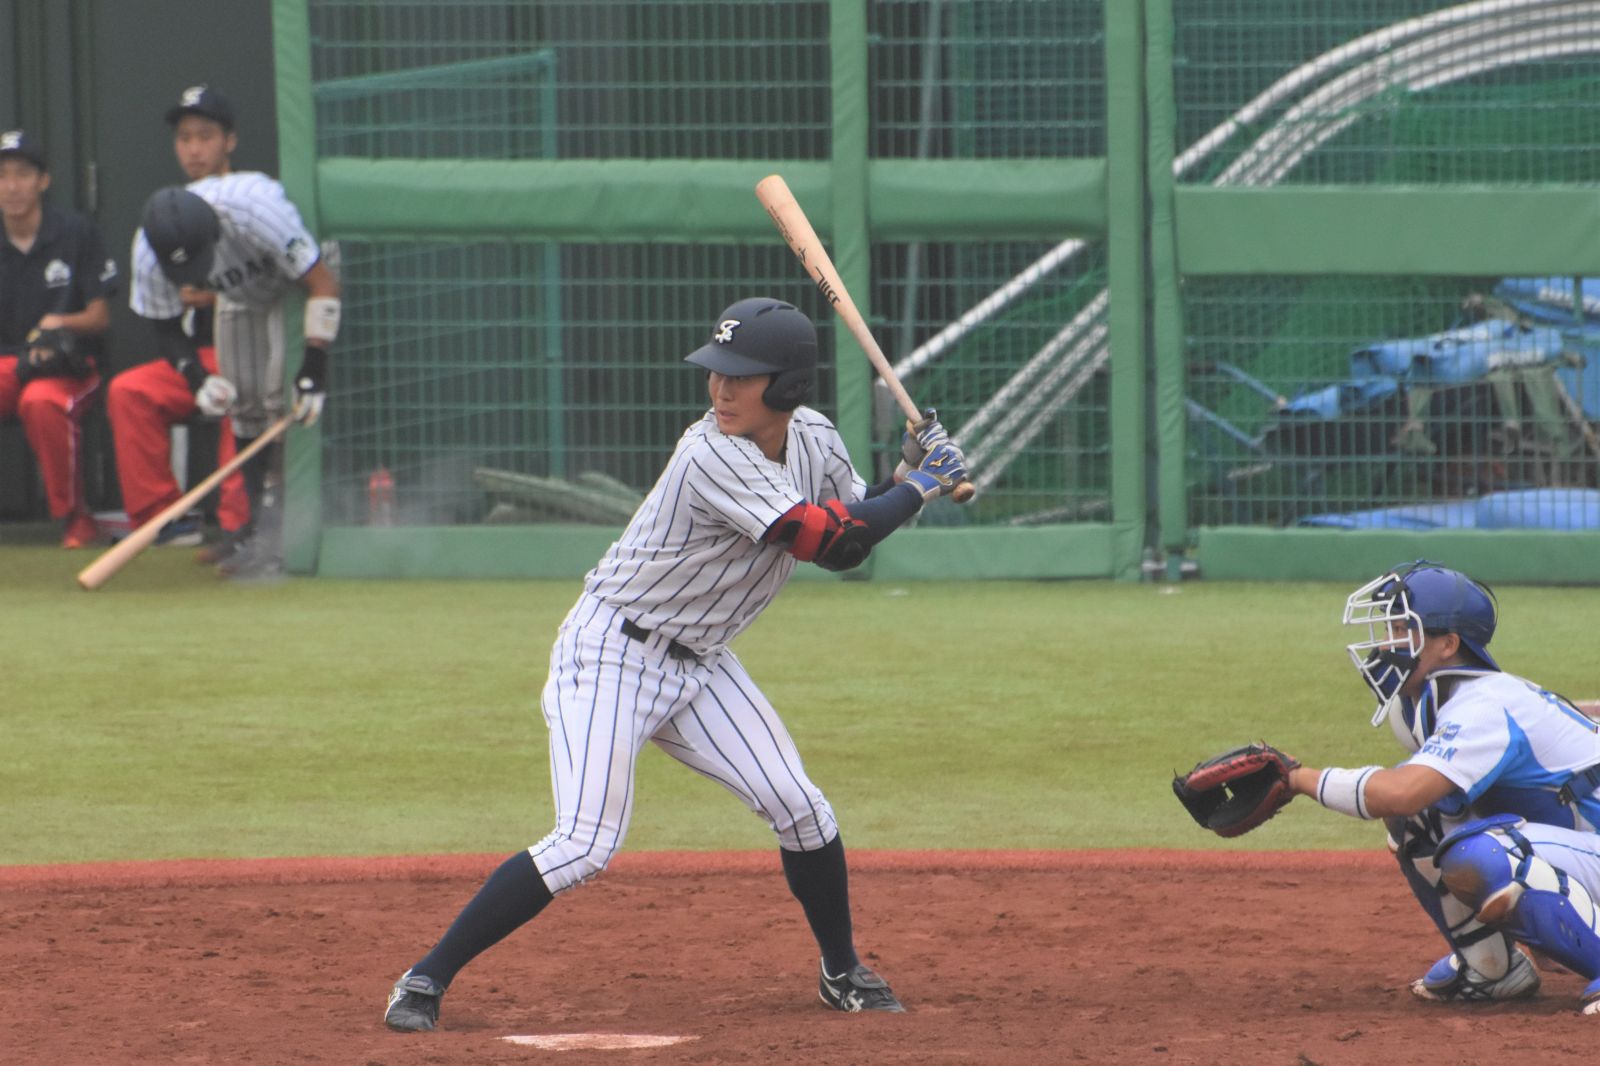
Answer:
(1469, 746)
(151, 294)
(273, 224)
(738, 486)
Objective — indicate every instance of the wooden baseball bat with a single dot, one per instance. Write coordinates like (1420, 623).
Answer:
(802, 239)
(119, 554)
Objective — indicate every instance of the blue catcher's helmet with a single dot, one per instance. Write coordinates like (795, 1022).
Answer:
(1401, 610)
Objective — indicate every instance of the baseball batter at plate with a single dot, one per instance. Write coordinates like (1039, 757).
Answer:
(236, 235)
(758, 484)
(1493, 816)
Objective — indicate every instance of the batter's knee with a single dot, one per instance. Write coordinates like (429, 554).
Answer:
(803, 826)
(566, 862)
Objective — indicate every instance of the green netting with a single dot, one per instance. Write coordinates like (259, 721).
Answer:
(572, 79)
(560, 361)
(1047, 449)
(987, 78)
(1292, 422)
(554, 361)
(1386, 90)
(1288, 422)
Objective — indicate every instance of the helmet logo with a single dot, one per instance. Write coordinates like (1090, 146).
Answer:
(10, 140)
(191, 95)
(178, 256)
(724, 333)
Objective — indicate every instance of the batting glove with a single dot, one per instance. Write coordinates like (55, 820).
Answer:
(311, 386)
(940, 471)
(215, 396)
(921, 436)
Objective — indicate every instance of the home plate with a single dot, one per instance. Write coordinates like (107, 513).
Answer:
(595, 1041)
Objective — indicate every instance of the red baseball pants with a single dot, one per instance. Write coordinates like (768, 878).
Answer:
(51, 411)
(143, 404)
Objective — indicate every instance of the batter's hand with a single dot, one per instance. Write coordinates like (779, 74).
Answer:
(311, 386)
(940, 471)
(921, 436)
(215, 396)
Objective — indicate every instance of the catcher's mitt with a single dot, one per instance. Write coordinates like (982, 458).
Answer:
(1232, 793)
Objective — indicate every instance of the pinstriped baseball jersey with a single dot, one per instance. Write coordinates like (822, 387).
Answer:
(264, 248)
(691, 563)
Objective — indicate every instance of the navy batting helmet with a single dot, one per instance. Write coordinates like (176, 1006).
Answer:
(761, 335)
(182, 230)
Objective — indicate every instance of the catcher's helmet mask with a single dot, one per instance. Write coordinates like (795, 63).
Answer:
(1425, 599)
(761, 335)
(182, 229)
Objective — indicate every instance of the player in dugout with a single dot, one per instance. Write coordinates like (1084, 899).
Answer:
(237, 235)
(55, 288)
(146, 400)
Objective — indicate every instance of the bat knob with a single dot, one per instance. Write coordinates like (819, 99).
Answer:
(964, 492)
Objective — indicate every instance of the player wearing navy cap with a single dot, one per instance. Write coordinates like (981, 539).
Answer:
(759, 483)
(55, 287)
(147, 399)
(235, 235)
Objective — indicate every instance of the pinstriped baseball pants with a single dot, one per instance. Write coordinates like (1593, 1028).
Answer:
(250, 353)
(607, 694)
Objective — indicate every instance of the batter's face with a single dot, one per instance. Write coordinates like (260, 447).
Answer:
(740, 412)
(22, 187)
(203, 146)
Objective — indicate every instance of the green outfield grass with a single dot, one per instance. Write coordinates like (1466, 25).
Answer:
(172, 715)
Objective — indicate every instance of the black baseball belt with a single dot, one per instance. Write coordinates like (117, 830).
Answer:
(634, 631)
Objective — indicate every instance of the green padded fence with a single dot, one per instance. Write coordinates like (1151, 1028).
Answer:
(1133, 251)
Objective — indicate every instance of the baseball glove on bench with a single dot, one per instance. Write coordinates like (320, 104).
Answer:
(1232, 793)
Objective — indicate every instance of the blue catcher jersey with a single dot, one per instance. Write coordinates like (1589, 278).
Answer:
(1510, 747)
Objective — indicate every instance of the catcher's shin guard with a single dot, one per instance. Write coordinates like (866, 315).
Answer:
(1492, 867)
(1485, 953)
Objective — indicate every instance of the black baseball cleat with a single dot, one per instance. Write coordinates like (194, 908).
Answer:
(858, 989)
(414, 1003)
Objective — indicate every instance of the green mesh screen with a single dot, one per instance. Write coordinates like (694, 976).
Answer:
(987, 78)
(554, 361)
(562, 362)
(1386, 90)
(1046, 450)
(1288, 424)
(572, 79)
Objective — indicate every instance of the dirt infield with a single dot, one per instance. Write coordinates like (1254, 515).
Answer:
(1002, 958)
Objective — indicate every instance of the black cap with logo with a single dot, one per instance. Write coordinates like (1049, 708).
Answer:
(204, 101)
(23, 144)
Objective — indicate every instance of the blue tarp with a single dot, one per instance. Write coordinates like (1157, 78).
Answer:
(1519, 509)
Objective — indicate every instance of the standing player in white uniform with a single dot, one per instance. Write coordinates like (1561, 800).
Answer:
(1493, 817)
(239, 236)
(756, 485)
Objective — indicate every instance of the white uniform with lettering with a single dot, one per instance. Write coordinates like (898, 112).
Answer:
(688, 574)
(263, 250)
(1509, 746)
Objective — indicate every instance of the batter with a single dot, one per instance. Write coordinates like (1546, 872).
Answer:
(759, 483)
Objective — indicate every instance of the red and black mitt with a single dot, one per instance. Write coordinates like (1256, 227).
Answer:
(1236, 791)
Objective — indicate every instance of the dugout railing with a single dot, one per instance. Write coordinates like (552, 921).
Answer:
(1095, 234)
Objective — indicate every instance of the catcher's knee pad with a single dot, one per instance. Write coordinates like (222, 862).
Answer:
(1492, 868)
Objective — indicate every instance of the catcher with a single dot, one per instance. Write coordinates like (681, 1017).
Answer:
(1492, 817)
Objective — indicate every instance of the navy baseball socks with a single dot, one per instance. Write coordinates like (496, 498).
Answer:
(512, 896)
(820, 880)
